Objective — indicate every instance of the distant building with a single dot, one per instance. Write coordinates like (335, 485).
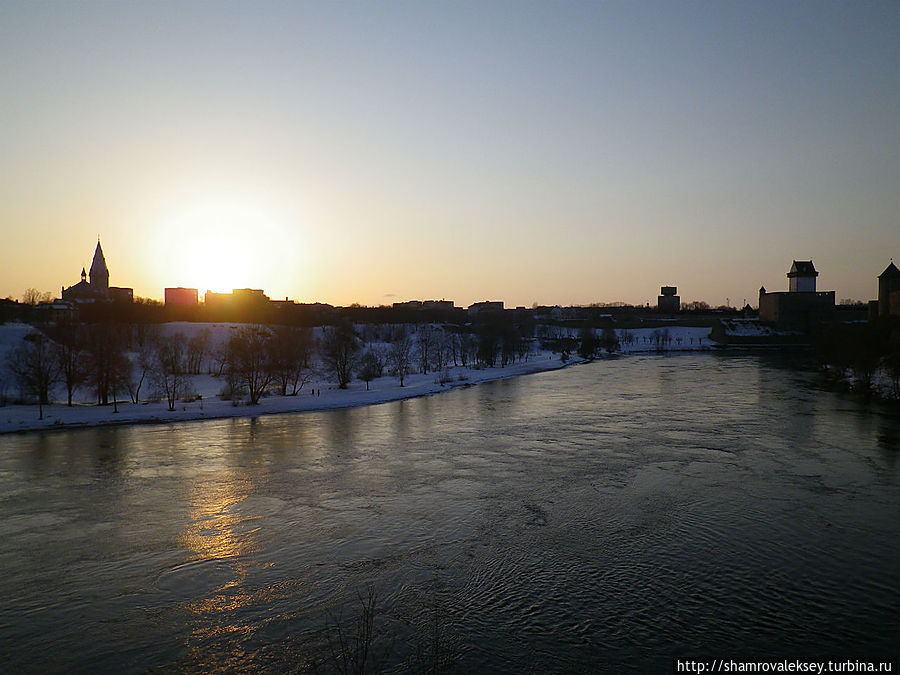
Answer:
(117, 294)
(55, 311)
(238, 297)
(97, 289)
(211, 299)
(802, 308)
(427, 304)
(487, 306)
(284, 305)
(249, 297)
(409, 304)
(668, 301)
(889, 291)
(241, 302)
(182, 297)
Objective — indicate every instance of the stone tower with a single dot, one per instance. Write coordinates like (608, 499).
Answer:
(888, 284)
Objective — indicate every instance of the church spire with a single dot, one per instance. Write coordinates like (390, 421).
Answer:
(99, 270)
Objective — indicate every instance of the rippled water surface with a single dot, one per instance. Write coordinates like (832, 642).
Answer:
(608, 517)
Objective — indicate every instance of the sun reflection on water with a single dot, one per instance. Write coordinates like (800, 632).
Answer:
(218, 530)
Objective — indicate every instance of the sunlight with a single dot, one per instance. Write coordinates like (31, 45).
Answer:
(223, 245)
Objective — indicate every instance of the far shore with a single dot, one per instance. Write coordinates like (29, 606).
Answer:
(59, 416)
(317, 395)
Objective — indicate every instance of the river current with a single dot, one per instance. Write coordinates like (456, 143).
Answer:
(609, 517)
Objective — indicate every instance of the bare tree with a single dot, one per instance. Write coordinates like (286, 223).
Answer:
(467, 346)
(488, 346)
(249, 360)
(627, 338)
(71, 348)
(33, 296)
(169, 364)
(379, 359)
(234, 383)
(35, 367)
(368, 368)
(290, 353)
(523, 348)
(339, 347)
(197, 347)
(440, 352)
(609, 339)
(218, 360)
(453, 347)
(143, 366)
(108, 365)
(400, 357)
(587, 343)
(425, 347)
(510, 339)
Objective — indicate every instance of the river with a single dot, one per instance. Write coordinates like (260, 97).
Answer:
(609, 517)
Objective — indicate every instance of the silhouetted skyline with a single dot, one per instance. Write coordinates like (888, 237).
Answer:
(526, 152)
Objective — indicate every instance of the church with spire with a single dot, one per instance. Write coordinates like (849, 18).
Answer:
(94, 285)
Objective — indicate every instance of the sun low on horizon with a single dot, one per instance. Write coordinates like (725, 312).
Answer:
(220, 245)
(590, 152)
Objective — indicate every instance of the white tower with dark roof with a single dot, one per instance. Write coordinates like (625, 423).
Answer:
(802, 276)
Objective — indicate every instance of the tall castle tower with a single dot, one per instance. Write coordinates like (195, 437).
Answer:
(802, 276)
(888, 286)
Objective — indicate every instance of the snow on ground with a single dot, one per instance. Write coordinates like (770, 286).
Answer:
(11, 335)
(668, 339)
(327, 396)
(752, 328)
(881, 385)
(319, 394)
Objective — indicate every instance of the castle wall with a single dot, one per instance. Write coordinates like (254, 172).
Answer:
(796, 310)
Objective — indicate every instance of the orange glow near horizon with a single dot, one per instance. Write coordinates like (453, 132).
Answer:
(220, 246)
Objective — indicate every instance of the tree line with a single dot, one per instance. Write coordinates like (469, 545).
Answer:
(117, 362)
(855, 353)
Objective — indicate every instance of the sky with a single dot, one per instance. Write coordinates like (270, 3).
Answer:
(531, 152)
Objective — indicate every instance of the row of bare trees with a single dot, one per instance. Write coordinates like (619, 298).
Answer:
(98, 356)
(113, 360)
(429, 349)
(254, 360)
(74, 355)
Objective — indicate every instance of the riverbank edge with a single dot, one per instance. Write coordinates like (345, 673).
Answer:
(243, 411)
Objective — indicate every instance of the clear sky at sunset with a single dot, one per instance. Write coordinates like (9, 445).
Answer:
(550, 152)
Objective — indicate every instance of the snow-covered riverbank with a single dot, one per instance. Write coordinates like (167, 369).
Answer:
(314, 396)
(318, 394)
